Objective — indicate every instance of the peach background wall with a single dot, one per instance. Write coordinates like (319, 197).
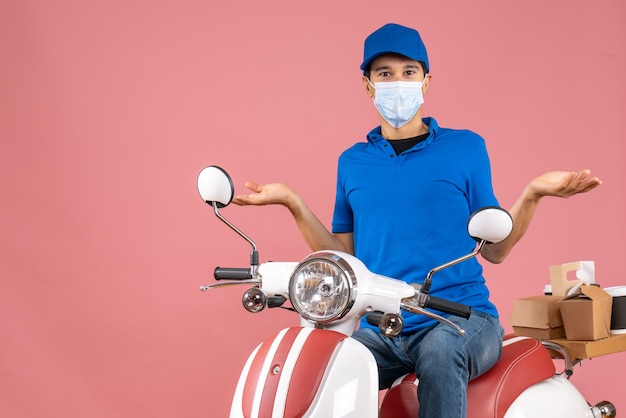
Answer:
(109, 109)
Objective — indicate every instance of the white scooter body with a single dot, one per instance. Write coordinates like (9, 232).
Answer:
(556, 397)
(282, 374)
(317, 370)
(284, 385)
(313, 372)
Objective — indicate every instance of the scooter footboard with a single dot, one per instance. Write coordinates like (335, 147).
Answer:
(306, 372)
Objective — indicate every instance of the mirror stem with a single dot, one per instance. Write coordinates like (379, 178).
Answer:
(428, 281)
(254, 254)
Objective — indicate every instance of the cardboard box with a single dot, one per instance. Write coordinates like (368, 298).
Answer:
(537, 317)
(586, 314)
(590, 349)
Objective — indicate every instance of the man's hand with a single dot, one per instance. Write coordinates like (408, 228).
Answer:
(268, 194)
(563, 183)
(554, 183)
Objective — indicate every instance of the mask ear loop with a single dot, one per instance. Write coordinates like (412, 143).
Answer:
(373, 86)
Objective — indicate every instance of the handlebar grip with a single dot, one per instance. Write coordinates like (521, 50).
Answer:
(231, 273)
(447, 306)
(373, 318)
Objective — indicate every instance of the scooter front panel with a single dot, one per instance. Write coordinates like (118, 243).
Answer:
(282, 376)
(349, 388)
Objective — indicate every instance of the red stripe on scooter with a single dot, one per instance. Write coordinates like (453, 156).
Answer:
(252, 379)
(309, 370)
(275, 372)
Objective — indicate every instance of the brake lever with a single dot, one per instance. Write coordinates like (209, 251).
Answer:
(411, 305)
(222, 284)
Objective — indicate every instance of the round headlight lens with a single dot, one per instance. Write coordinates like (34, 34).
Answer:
(322, 287)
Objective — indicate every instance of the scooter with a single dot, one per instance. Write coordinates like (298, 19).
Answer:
(317, 370)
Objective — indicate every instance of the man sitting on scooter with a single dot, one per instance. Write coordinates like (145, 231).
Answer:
(403, 198)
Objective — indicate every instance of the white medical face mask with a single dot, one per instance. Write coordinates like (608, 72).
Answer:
(398, 101)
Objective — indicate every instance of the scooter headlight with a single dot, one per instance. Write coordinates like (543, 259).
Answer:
(322, 288)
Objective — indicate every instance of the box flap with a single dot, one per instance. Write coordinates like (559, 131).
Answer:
(591, 292)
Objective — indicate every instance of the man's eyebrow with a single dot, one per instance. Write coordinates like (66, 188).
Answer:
(387, 68)
(412, 66)
(381, 68)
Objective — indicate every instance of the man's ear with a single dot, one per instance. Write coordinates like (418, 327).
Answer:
(369, 89)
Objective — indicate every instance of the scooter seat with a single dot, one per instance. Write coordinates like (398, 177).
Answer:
(524, 362)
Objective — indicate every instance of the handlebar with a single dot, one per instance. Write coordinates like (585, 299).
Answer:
(232, 273)
(433, 302)
(447, 306)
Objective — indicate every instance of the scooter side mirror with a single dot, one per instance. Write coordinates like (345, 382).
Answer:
(491, 224)
(215, 186)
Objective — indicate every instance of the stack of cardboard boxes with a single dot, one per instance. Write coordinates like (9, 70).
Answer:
(577, 315)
